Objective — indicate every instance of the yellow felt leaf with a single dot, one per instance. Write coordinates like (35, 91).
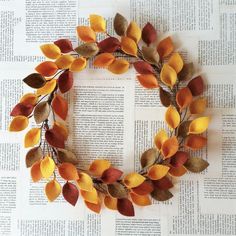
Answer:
(64, 61)
(133, 31)
(35, 172)
(51, 50)
(68, 171)
(129, 46)
(47, 166)
(85, 182)
(110, 202)
(157, 171)
(19, 123)
(133, 180)
(119, 66)
(29, 98)
(52, 190)
(103, 59)
(98, 166)
(170, 147)
(140, 200)
(32, 137)
(97, 23)
(47, 88)
(86, 34)
(176, 62)
(165, 47)
(184, 97)
(199, 125)
(168, 75)
(78, 64)
(172, 117)
(90, 196)
(198, 106)
(160, 138)
(148, 81)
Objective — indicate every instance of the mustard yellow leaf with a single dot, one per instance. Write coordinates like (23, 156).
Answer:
(160, 138)
(78, 64)
(133, 31)
(85, 182)
(86, 34)
(176, 62)
(168, 75)
(52, 190)
(199, 125)
(47, 88)
(140, 200)
(51, 50)
(32, 137)
(198, 106)
(170, 147)
(19, 123)
(98, 166)
(157, 171)
(47, 166)
(172, 117)
(97, 23)
(64, 61)
(119, 66)
(90, 196)
(110, 202)
(129, 46)
(133, 180)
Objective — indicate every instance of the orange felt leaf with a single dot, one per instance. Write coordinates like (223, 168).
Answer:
(29, 98)
(90, 196)
(103, 59)
(47, 68)
(93, 207)
(18, 123)
(32, 137)
(68, 171)
(51, 50)
(110, 202)
(64, 61)
(86, 34)
(177, 171)
(144, 188)
(176, 62)
(160, 138)
(133, 180)
(52, 190)
(170, 147)
(60, 106)
(140, 200)
(148, 81)
(172, 117)
(78, 64)
(98, 166)
(157, 171)
(184, 98)
(195, 142)
(165, 47)
(47, 88)
(60, 129)
(35, 172)
(129, 46)
(198, 106)
(118, 66)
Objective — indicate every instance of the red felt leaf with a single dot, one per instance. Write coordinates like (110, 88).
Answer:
(22, 109)
(179, 159)
(60, 106)
(143, 189)
(70, 193)
(163, 183)
(65, 81)
(125, 207)
(149, 34)
(65, 45)
(143, 67)
(111, 175)
(110, 44)
(196, 86)
(54, 139)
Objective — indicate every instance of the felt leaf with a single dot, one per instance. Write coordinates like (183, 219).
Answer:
(54, 139)
(103, 60)
(165, 47)
(90, 196)
(41, 112)
(140, 200)
(22, 109)
(64, 61)
(32, 137)
(198, 106)
(165, 97)
(177, 171)
(168, 75)
(160, 138)
(161, 195)
(97, 23)
(87, 50)
(60, 106)
(172, 117)
(119, 66)
(111, 175)
(150, 55)
(148, 157)
(129, 46)
(65, 81)
(149, 34)
(196, 86)
(163, 183)
(179, 158)
(125, 207)
(86, 34)
(52, 190)
(110, 202)
(143, 67)
(199, 125)
(184, 128)
(120, 24)
(60, 129)
(18, 123)
(195, 142)
(133, 180)
(184, 98)
(117, 190)
(47, 167)
(47, 88)
(50, 50)
(98, 166)
(133, 31)
(35, 172)
(187, 72)
(33, 155)
(196, 164)
(29, 98)
(65, 45)
(70, 193)
(170, 147)
(110, 45)
(157, 171)
(78, 64)
(35, 80)
(176, 62)
(68, 171)
(93, 207)
(47, 68)
(148, 81)
(85, 182)
(143, 189)
(64, 155)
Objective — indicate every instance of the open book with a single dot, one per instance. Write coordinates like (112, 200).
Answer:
(112, 116)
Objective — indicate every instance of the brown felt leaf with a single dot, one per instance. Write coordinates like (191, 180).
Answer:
(60, 106)
(110, 45)
(196, 164)
(161, 195)
(65, 45)
(120, 24)
(117, 190)
(148, 157)
(41, 112)
(66, 156)
(60, 129)
(47, 68)
(119, 66)
(125, 207)
(54, 139)
(143, 67)
(111, 175)
(163, 183)
(65, 81)
(33, 155)
(184, 98)
(150, 55)
(198, 106)
(129, 46)
(187, 72)
(184, 128)
(177, 171)
(35, 80)
(22, 109)
(68, 171)
(87, 50)
(170, 147)
(143, 189)
(165, 47)
(149, 34)
(165, 97)
(86, 34)
(133, 31)
(103, 59)
(148, 81)
(179, 158)
(70, 193)
(195, 142)
(196, 86)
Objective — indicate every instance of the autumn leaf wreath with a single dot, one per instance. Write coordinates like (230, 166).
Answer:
(158, 66)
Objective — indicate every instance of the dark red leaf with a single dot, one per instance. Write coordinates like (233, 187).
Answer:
(163, 184)
(54, 139)
(110, 44)
(125, 207)
(179, 159)
(143, 67)
(111, 175)
(70, 193)
(22, 110)
(196, 86)
(65, 81)
(65, 45)
(143, 189)
(149, 34)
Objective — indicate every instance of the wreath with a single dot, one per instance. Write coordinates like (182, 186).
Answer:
(158, 66)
